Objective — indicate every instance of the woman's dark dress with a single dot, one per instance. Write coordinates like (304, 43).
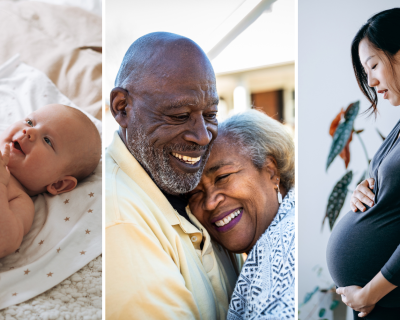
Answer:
(364, 243)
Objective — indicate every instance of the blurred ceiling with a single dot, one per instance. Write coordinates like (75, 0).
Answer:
(269, 40)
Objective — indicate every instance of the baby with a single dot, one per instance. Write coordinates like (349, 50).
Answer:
(49, 151)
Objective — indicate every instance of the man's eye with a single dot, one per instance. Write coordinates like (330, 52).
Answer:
(180, 117)
(47, 140)
(212, 116)
(29, 122)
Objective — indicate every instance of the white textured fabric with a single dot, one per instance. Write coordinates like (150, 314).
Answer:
(66, 230)
(93, 6)
(76, 298)
(265, 287)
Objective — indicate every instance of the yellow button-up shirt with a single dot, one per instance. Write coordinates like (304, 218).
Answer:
(155, 266)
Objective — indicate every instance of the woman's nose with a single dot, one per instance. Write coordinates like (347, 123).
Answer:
(212, 200)
(372, 81)
(30, 134)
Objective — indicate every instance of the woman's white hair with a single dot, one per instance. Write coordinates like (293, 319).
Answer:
(259, 137)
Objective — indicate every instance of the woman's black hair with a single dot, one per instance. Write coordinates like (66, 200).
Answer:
(382, 31)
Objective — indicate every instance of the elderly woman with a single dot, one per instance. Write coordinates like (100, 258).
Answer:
(246, 201)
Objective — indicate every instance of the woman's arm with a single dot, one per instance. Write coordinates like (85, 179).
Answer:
(364, 299)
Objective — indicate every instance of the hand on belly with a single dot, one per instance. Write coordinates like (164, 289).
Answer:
(355, 298)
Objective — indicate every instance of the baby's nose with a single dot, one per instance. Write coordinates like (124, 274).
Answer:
(29, 133)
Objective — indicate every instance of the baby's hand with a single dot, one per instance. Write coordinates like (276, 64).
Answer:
(4, 172)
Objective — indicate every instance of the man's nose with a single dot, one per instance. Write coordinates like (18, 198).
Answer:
(198, 132)
(30, 134)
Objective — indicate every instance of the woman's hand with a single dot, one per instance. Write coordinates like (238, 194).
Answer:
(355, 298)
(364, 299)
(363, 194)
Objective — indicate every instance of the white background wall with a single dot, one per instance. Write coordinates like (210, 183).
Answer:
(326, 83)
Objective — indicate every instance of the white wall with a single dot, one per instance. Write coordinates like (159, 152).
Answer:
(325, 84)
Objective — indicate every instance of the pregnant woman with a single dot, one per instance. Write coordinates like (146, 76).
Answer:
(363, 252)
(245, 200)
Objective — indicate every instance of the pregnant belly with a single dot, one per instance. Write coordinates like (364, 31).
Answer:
(359, 247)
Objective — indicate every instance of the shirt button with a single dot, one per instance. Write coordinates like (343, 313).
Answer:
(194, 239)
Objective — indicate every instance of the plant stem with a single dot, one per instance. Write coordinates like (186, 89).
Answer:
(364, 148)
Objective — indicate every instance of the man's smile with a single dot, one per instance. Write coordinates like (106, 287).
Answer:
(186, 163)
(186, 159)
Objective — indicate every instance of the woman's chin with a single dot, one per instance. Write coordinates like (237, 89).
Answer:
(237, 245)
(394, 101)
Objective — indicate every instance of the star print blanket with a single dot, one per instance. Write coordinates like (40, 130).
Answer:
(66, 231)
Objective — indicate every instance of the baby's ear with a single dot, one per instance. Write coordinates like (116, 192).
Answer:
(65, 184)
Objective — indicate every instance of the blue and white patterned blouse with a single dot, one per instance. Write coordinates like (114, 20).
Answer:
(265, 287)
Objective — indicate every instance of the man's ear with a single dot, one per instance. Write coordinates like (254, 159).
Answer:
(65, 184)
(118, 104)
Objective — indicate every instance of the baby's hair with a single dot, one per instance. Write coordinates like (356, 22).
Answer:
(89, 159)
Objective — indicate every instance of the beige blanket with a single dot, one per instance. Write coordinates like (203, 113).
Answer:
(63, 42)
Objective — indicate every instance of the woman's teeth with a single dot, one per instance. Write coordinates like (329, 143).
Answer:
(186, 159)
(227, 219)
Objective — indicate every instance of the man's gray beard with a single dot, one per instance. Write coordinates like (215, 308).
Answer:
(157, 164)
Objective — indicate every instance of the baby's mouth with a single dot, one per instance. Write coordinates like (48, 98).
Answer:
(17, 146)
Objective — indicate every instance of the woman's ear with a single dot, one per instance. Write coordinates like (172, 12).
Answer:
(65, 184)
(271, 168)
(118, 104)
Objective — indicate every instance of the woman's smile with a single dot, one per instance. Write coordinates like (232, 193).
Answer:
(227, 220)
(234, 201)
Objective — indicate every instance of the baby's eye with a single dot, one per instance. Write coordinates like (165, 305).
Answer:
(29, 122)
(47, 140)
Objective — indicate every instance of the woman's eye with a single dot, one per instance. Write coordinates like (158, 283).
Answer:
(374, 67)
(192, 194)
(223, 177)
(47, 140)
(29, 122)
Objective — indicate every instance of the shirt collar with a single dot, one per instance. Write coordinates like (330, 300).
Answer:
(130, 166)
(287, 205)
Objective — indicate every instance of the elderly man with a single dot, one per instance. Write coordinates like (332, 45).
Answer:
(160, 262)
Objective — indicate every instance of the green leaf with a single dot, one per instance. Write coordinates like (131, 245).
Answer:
(321, 312)
(334, 304)
(343, 132)
(337, 198)
(309, 295)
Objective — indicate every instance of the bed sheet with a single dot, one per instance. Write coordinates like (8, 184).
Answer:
(63, 42)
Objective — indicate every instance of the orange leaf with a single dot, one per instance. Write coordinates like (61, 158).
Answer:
(345, 154)
(336, 122)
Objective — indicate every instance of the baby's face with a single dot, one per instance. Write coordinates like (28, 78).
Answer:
(42, 146)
